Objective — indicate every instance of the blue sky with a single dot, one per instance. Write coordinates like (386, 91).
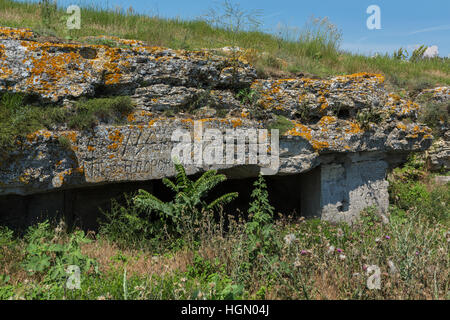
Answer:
(404, 23)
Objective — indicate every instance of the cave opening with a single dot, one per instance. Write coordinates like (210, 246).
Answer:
(289, 194)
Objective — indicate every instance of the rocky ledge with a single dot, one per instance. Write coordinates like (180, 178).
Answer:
(342, 134)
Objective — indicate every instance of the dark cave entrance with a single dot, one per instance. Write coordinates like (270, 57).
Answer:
(289, 194)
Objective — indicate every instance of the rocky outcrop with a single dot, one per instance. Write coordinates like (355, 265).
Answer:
(438, 156)
(344, 132)
(438, 94)
(54, 71)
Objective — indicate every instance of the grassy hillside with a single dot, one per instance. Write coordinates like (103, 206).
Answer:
(315, 52)
(193, 257)
(203, 253)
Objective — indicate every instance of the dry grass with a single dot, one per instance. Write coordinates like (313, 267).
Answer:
(137, 262)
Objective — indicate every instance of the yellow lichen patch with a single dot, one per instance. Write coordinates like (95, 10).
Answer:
(188, 121)
(409, 107)
(323, 102)
(90, 148)
(80, 170)
(15, 34)
(31, 137)
(401, 126)
(236, 123)
(319, 145)
(5, 71)
(146, 113)
(300, 130)
(131, 117)
(117, 138)
(378, 78)
(326, 121)
(354, 128)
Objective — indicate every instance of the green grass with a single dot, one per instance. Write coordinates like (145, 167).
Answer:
(18, 117)
(282, 124)
(314, 49)
(251, 258)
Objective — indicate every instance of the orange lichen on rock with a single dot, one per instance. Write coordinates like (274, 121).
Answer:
(354, 128)
(378, 78)
(15, 34)
(325, 122)
(131, 117)
(300, 130)
(401, 126)
(117, 138)
(319, 145)
(236, 123)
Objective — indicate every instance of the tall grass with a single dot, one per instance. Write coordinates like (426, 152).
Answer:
(313, 49)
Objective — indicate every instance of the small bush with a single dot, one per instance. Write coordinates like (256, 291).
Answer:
(409, 192)
(260, 229)
(188, 204)
(49, 253)
(436, 116)
(127, 226)
(6, 240)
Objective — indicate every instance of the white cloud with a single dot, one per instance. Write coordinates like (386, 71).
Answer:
(438, 28)
(431, 52)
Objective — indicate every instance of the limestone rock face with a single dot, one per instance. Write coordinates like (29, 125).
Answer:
(345, 132)
(55, 71)
(438, 156)
(439, 94)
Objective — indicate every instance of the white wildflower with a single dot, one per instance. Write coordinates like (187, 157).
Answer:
(392, 268)
(374, 281)
(289, 239)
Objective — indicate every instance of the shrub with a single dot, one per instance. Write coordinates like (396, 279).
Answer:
(49, 253)
(436, 116)
(409, 192)
(188, 201)
(248, 96)
(6, 240)
(127, 225)
(418, 53)
(260, 229)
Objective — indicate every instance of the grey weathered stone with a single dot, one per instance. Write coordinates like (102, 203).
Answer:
(343, 159)
(438, 156)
